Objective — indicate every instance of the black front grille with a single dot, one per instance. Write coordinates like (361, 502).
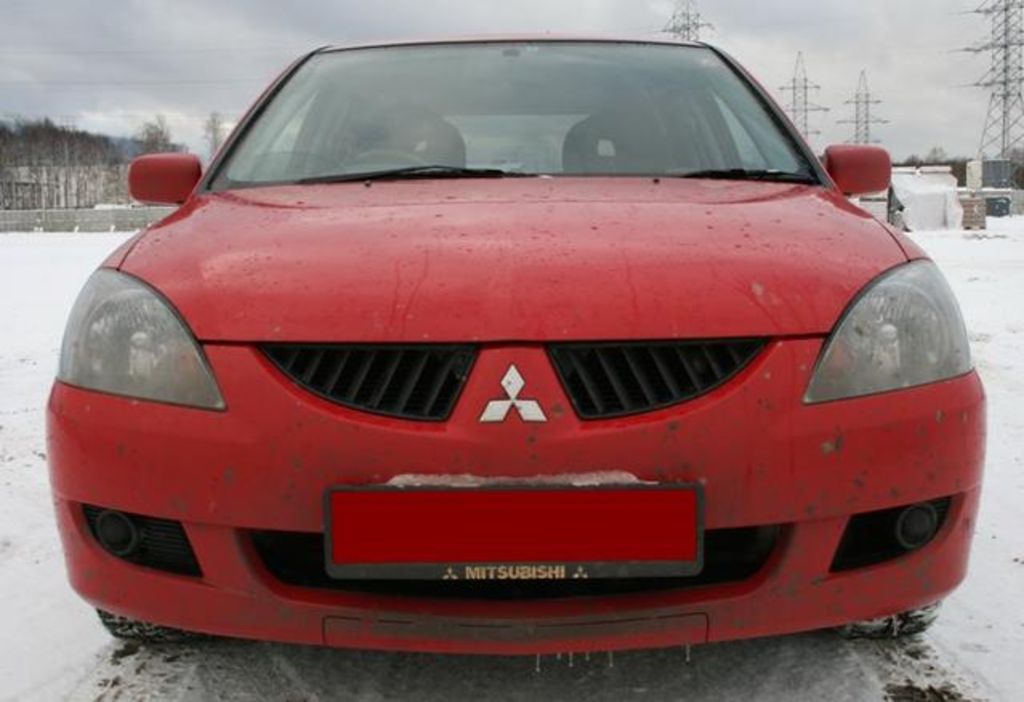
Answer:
(411, 382)
(730, 555)
(162, 545)
(615, 380)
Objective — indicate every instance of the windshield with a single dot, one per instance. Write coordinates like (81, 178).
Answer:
(543, 108)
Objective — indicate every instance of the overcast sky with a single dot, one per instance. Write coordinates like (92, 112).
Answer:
(107, 66)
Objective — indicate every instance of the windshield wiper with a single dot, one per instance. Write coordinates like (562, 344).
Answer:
(751, 174)
(413, 172)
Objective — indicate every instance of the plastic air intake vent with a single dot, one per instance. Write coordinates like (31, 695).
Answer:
(619, 379)
(410, 382)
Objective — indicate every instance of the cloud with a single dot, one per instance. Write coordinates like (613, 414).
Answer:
(113, 68)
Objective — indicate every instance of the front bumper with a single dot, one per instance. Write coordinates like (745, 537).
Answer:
(763, 457)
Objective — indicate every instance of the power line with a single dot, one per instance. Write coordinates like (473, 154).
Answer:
(1004, 123)
(129, 83)
(119, 113)
(800, 106)
(686, 22)
(28, 51)
(863, 120)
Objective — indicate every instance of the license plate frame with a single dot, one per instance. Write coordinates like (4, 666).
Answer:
(358, 564)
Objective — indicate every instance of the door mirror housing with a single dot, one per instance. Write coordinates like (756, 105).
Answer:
(859, 170)
(164, 179)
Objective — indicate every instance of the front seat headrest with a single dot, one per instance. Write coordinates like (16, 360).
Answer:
(620, 140)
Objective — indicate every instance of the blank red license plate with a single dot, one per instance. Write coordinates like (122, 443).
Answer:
(513, 533)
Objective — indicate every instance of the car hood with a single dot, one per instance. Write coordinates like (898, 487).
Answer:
(513, 260)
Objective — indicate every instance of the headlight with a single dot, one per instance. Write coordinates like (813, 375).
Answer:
(123, 338)
(904, 330)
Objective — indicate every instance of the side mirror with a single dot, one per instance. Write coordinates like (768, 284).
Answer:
(164, 179)
(859, 170)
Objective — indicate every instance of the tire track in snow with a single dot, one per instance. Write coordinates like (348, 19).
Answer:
(913, 670)
(806, 667)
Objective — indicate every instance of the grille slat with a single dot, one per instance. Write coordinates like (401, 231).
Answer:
(341, 362)
(370, 379)
(646, 387)
(313, 366)
(665, 372)
(590, 397)
(292, 357)
(410, 382)
(692, 375)
(615, 378)
(712, 363)
(391, 366)
(433, 395)
(609, 380)
(734, 355)
(355, 384)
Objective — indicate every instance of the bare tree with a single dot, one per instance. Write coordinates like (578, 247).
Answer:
(45, 165)
(155, 137)
(213, 132)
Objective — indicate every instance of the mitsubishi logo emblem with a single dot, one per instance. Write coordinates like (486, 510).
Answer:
(497, 410)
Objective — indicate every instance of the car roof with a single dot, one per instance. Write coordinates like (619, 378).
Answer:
(510, 39)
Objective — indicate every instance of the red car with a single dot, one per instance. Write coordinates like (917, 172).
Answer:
(515, 346)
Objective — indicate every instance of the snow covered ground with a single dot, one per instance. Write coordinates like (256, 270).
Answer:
(52, 647)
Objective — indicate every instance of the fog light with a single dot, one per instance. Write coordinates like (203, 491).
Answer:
(117, 533)
(916, 526)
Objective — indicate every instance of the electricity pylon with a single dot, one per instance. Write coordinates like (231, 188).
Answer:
(863, 120)
(687, 22)
(800, 89)
(1004, 124)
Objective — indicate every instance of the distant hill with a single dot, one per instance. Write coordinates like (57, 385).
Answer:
(125, 148)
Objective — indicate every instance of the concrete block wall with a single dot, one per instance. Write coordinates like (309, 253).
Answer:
(81, 220)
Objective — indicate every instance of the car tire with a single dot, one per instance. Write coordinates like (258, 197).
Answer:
(144, 632)
(910, 623)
